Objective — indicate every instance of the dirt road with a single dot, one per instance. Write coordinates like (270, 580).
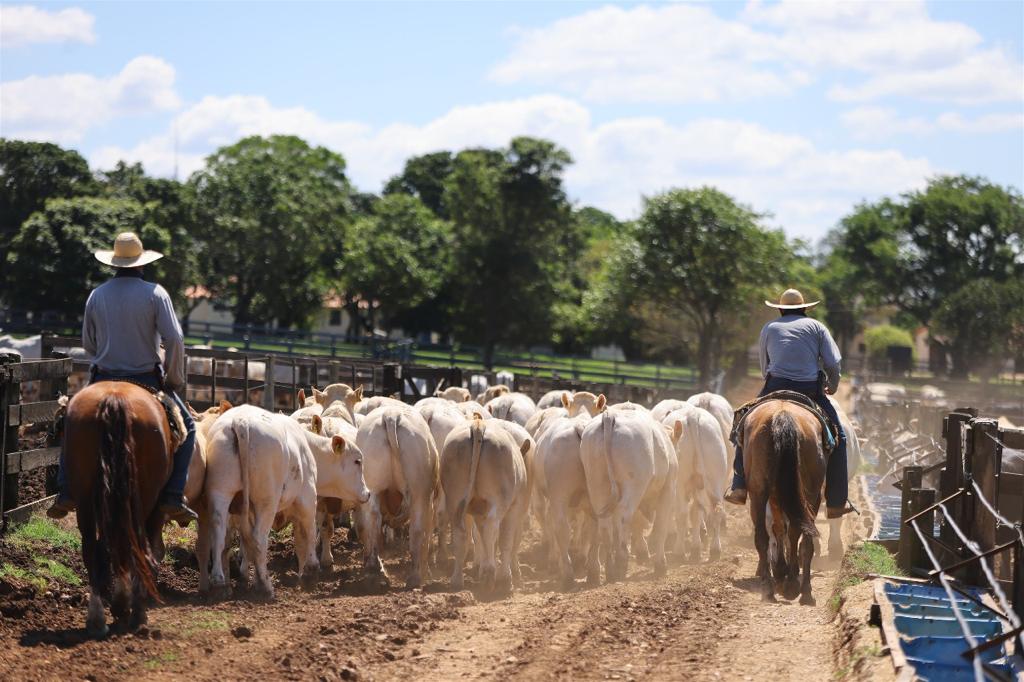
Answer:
(702, 621)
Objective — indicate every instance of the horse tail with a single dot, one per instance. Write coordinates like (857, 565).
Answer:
(784, 473)
(121, 525)
(477, 435)
(241, 429)
(608, 430)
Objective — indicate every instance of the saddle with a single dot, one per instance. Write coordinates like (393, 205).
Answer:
(171, 409)
(828, 429)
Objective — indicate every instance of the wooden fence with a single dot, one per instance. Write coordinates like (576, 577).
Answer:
(17, 461)
(976, 500)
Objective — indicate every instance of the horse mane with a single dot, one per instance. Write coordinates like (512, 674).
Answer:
(784, 473)
(119, 520)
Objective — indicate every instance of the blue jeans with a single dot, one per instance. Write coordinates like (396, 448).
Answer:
(835, 471)
(174, 489)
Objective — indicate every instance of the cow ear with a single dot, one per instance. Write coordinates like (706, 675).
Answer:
(317, 395)
(565, 400)
(602, 402)
(677, 431)
(318, 424)
(489, 408)
(302, 397)
(224, 406)
(525, 447)
(338, 444)
(466, 397)
(359, 392)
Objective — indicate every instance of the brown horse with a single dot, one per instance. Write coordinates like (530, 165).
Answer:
(785, 467)
(117, 446)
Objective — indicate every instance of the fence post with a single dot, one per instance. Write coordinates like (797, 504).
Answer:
(921, 498)
(911, 482)
(10, 394)
(952, 476)
(391, 379)
(984, 463)
(268, 385)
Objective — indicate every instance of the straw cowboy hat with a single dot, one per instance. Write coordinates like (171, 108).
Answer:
(791, 299)
(127, 252)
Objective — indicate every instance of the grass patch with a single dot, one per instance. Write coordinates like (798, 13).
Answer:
(11, 571)
(40, 531)
(860, 561)
(161, 660)
(57, 571)
(204, 621)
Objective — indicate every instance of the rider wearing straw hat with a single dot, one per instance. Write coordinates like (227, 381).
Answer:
(798, 354)
(125, 320)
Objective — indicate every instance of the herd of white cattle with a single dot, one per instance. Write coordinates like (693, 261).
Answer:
(602, 481)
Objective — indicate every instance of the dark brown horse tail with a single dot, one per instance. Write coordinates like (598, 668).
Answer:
(784, 473)
(121, 524)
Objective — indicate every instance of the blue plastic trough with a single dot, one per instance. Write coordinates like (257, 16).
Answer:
(928, 636)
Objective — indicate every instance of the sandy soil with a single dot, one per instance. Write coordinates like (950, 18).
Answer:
(702, 621)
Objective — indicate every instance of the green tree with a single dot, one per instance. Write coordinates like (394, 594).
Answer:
(273, 213)
(424, 177)
(31, 173)
(56, 246)
(983, 321)
(398, 257)
(878, 339)
(510, 219)
(703, 259)
(168, 205)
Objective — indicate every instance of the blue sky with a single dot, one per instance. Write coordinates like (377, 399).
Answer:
(798, 109)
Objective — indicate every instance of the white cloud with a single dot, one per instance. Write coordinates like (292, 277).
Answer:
(806, 188)
(24, 25)
(867, 50)
(882, 122)
(62, 108)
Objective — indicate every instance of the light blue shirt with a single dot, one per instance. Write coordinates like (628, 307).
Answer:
(796, 347)
(125, 320)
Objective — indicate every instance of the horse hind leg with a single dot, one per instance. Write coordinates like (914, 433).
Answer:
(138, 613)
(791, 587)
(806, 554)
(758, 514)
(96, 617)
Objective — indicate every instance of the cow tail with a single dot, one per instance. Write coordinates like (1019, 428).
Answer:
(119, 519)
(784, 473)
(242, 435)
(477, 434)
(390, 423)
(608, 428)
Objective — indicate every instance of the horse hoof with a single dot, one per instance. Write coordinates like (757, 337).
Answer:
(769, 597)
(413, 581)
(807, 600)
(660, 571)
(97, 631)
(309, 580)
(715, 554)
(567, 583)
(791, 590)
(593, 580)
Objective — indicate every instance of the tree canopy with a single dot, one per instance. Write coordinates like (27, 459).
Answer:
(273, 213)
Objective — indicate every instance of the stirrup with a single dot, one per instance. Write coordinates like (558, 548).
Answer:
(840, 512)
(736, 496)
(60, 507)
(178, 511)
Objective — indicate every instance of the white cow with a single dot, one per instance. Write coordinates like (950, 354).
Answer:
(370, 404)
(484, 478)
(456, 394)
(492, 392)
(720, 409)
(552, 399)
(401, 472)
(629, 407)
(277, 468)
(584, 400)
(442, 417)
(329, 507)
(541, 419)
(528, 448)
(661, 410)
(703, 476)
(630, 467)
(515, 407)
(473, 409)
(560, 491)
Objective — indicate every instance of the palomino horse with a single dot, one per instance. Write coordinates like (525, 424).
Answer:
(785, 465)
(118, 456)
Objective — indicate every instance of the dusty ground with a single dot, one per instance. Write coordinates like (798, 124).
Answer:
(703, 621)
